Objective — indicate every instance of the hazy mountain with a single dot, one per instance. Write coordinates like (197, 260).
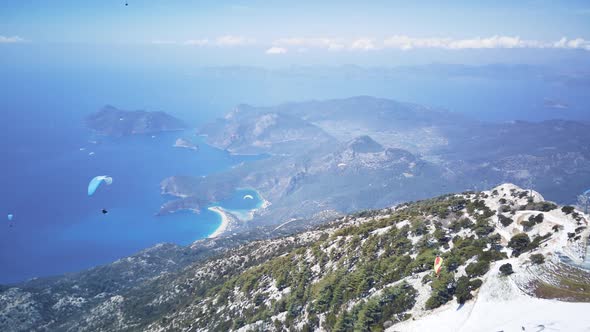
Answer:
(115, 122)
(336, 156)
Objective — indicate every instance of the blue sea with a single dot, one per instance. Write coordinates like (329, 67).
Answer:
(44, 173)
(49, 156)
(57, 227)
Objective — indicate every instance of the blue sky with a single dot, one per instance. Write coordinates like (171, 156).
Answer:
(304, 31)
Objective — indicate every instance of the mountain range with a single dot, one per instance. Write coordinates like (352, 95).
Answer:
(328, 158)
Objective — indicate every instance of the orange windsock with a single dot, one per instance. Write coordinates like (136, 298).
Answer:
(438, 261)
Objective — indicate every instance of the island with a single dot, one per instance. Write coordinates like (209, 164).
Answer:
(111, 121)
(185, 144)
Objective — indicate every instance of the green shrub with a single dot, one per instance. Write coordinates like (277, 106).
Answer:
(372, 314)
(567, 209)
(477, 269)
(506, 269)
(443, 289)
(519, 244)
(505, 221)
(463, 292)
(540, 206)
(453, 261)
(537, 241)
(457, 225)
(464, 288)
(491, 256)
(539, 218)
(537, 258)
(532, 221)
(483, 228)
(475, 284)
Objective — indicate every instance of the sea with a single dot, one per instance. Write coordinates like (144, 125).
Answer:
(49, 156)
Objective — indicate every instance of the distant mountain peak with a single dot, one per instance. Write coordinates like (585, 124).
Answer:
(364, 144)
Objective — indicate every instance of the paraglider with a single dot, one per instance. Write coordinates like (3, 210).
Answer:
(104, 211)
(10, 216)
(248, 197)
(96, 182)
(438, 261)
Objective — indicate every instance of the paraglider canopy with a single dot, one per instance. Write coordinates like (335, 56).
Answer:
(10, 216)
(96, 182)
(438, 261)
(248, 197)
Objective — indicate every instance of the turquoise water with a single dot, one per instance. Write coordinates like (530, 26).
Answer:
(242, 203)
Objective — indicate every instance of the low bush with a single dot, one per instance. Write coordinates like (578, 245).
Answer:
(477, 269)
(519, 244)
(506, 269)
(505, 221)
(567, 209)
(537, 259)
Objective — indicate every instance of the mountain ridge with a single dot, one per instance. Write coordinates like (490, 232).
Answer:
(370, 269)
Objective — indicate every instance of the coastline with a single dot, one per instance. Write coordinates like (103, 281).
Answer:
(231, 218)
(225, 220)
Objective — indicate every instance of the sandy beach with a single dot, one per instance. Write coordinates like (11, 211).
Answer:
(224, 221)
(227, 216)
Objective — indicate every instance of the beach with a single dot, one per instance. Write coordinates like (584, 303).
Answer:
(231, 217)
(225, 219)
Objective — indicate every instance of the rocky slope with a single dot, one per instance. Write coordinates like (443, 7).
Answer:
(367, 271)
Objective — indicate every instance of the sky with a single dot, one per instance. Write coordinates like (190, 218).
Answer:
(295, 32)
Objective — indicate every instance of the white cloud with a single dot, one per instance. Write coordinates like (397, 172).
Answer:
(401, 42)
(332, 44)
(363, 44)
(276, 50)
(408, 43)
(197, 42)
(163, 42)
(492, 42)
(13, 39)
(577, 43)
(230, 40)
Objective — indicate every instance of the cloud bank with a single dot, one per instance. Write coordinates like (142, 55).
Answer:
(276, 50)
(11, 40)
(494, 42)
(366, 44)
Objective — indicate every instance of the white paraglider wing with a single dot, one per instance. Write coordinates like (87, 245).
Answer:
(248, 197)
(96, 182)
